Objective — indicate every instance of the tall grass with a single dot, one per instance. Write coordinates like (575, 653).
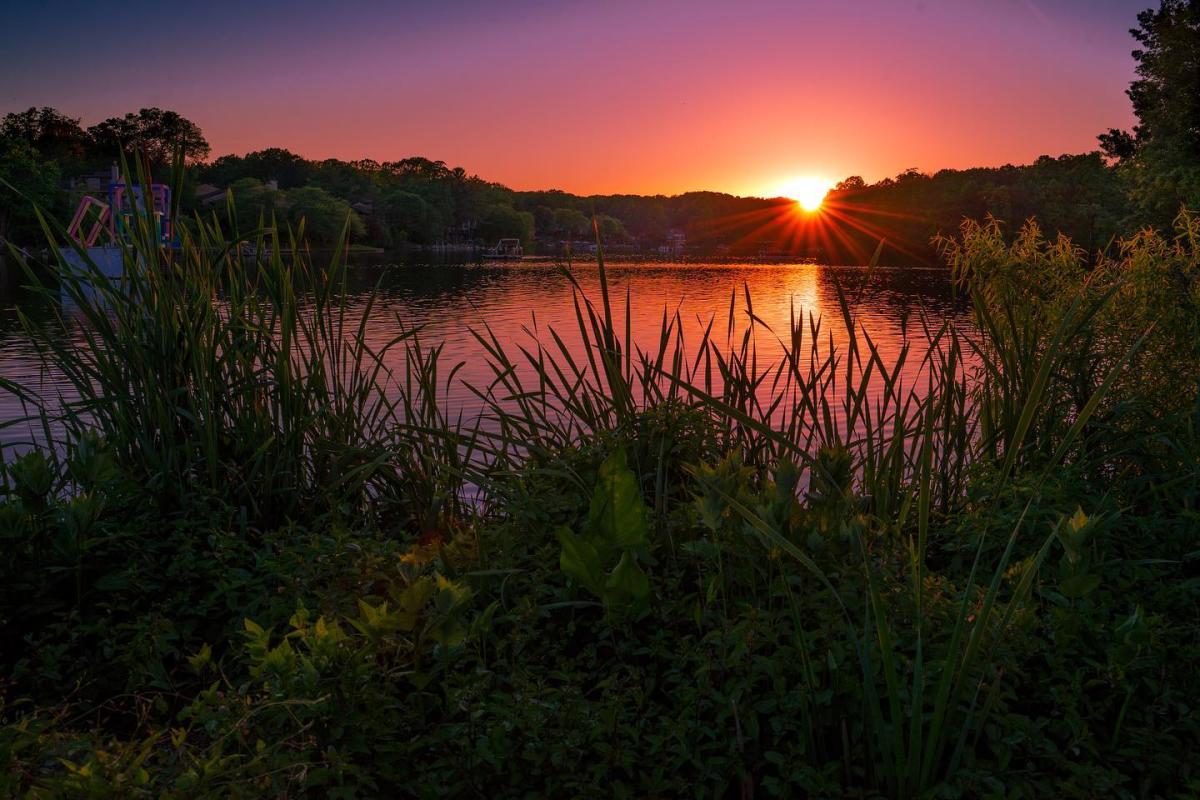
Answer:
(985, 399)
(247, 379)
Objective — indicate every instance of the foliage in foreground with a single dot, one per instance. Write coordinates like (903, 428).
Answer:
(261, 563)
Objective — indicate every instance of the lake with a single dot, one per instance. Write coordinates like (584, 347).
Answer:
(518, 300)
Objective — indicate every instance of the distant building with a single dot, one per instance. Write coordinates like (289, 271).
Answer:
(363, 208)
(97, 181)
(676, 242)
(209, 195)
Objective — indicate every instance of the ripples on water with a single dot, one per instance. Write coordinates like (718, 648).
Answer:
(516, 299)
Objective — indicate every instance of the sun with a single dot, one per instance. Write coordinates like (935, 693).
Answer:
(808, 192)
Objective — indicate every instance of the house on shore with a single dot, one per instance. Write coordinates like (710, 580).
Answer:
(675, 243)
(208, 195)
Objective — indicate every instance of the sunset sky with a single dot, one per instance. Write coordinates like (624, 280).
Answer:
(600, 97)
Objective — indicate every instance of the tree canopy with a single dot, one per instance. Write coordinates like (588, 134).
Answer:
(23, 167)
(154, 133)
(52, 134)
(1161, 156)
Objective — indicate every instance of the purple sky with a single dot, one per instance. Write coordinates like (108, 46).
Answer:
(652, 96)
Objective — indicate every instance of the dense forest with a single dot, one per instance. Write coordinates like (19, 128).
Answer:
(1138, 178)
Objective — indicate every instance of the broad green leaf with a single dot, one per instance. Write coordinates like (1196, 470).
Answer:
(299, 619)
(201, 659)
(412, 601)
(627, 580)
(448, 632)
(617, 516)
(258, 641)
(581, 561)
(450, 595)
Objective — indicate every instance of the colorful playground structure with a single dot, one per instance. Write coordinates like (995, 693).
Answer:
(115, 218)
(103, 229)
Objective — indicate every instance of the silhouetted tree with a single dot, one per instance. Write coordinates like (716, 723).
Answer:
(22, 167)
(154, 133)
(324, 216)
(284, 167)
(852, 184)
(407, 218)
(53, 134)
(256, 205)
(1161, 157)
(502, 222)
(569, 223)
(612, 230)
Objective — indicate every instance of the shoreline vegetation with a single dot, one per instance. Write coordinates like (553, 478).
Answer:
(259, 564)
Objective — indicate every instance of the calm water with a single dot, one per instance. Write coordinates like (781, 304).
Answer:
(517, 300)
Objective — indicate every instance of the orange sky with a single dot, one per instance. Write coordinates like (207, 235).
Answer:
(638, 97)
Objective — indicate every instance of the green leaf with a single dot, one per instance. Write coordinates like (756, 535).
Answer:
(581, 561)
(376, 622)
(483, 622)
(1134, 630)
(451, 595)
(412, 601)
(617, 515)
(616, 529)
(1077, 586)
(448, 632)
(199, 660)
(627, 580)
(258, 641)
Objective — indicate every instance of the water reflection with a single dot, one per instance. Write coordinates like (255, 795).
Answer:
(514, 300)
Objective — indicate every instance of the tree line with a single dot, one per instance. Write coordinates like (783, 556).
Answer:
(418, 201)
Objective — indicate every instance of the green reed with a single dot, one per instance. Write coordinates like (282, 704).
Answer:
(912, 450)
(243, 377)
